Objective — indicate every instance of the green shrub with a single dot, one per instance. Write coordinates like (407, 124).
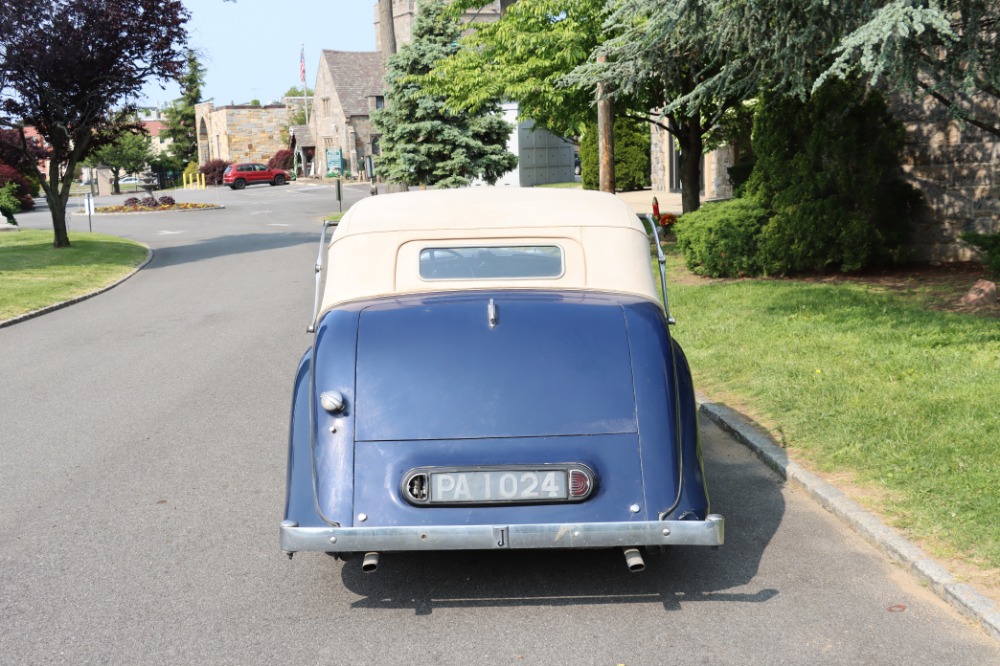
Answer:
(826, 169)
(989, 244)
(9, 203)
(631, 139)
(589, 162)
(721, 239)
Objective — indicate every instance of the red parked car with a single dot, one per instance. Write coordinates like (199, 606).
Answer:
(238, 176)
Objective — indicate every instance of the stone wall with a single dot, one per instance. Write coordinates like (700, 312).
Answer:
(240, 133)
(716, 176)
(955, 167)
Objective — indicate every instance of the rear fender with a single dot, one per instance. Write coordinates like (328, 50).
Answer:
(300, 496)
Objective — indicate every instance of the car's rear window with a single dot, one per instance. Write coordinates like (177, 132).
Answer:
(491, 262)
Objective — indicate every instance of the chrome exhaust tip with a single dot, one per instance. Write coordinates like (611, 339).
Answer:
(633, 560)
(370, 563)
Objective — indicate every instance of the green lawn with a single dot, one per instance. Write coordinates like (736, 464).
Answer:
(33, 274)
(564, 186)
(875, 386)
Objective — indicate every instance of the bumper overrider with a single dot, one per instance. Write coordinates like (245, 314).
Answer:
(708, 532)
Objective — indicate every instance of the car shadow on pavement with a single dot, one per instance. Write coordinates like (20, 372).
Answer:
(746, 493)
(222, 246)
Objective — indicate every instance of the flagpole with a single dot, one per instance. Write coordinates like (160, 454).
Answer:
(305, 86)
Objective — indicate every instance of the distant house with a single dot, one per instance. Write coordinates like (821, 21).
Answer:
(153, 120)
(348, 88)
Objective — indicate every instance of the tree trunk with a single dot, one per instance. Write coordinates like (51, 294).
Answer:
(58, 210)
(57, 196)
(691, 145)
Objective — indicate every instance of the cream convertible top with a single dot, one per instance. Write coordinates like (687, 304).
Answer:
(376, 248)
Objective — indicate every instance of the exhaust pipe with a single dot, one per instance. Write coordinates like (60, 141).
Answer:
(370, 563)
(633, 559)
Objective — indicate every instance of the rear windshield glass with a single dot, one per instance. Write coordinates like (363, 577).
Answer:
(490, 262)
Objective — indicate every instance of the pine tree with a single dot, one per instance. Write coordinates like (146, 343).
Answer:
(424, 143)
(181, 127)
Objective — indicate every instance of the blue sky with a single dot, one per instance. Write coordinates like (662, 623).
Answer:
(250, 48)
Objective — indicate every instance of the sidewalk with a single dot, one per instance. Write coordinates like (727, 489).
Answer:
(641, 201)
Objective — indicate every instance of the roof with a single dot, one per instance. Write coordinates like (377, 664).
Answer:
(376, 248)
(356, 75)
(303, 136)
(154, 127)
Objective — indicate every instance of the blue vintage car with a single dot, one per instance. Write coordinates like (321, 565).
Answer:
(491, 369)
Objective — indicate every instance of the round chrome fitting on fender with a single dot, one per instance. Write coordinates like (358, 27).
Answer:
(332, 401)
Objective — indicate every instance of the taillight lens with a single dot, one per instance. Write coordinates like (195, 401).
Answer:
(580, 483)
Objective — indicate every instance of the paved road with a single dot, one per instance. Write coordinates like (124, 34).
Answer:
(142, 451)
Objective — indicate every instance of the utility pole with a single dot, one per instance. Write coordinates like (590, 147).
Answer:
(605, 138)
(387, 30)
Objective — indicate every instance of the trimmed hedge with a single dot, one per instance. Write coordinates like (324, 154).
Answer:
(721, 239)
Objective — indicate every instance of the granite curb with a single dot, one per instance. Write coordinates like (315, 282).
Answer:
(962, 596)
(59, 306)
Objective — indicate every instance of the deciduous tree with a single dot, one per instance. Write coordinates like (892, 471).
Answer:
(130, 153)
(524, 58)
(72, 70)
(659, 54)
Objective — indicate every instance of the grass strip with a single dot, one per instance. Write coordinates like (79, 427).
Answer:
(856, 380)
(34, 275)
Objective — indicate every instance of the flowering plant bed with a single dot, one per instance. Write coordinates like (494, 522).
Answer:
(139, 208)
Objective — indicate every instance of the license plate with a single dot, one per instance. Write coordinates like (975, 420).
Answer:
(455, 487)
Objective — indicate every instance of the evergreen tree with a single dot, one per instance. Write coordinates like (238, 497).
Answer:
(423, 142)
(181, 127)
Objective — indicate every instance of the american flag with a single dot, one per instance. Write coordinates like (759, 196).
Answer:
(302, 65)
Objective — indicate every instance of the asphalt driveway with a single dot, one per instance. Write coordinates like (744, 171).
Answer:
(142, 464)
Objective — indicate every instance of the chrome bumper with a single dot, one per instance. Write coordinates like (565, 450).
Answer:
(709, 532)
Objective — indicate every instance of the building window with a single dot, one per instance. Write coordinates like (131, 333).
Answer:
(326, 106)
(379, 102)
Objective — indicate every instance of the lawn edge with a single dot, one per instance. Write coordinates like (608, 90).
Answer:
(963, 597)
(58, 306)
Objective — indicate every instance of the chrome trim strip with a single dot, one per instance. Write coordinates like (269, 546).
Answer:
(708, 532)
(319, 274)
(662, 260)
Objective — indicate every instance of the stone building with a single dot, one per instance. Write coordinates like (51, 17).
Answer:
(665, 172)
(240, 133)
(955, 166)
(404, 12)
(348, 88)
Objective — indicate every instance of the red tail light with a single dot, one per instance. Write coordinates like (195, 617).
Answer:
(580, 483)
